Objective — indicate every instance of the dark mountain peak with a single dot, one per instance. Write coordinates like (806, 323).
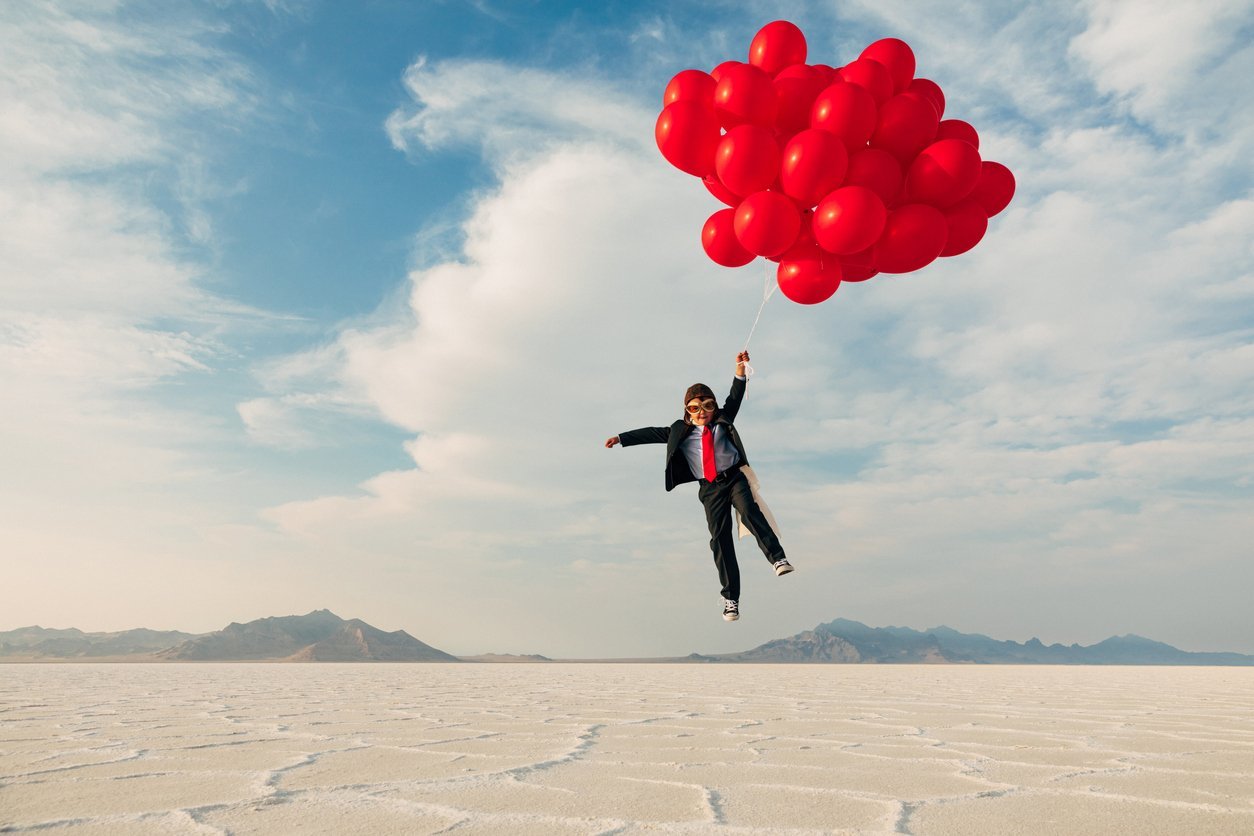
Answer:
(317, 636)
(843, 627)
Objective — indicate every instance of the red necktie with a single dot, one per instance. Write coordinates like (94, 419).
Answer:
(707, 454)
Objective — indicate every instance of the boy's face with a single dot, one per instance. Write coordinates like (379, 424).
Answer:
(704, 410)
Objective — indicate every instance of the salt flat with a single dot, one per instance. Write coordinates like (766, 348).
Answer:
(625, 748)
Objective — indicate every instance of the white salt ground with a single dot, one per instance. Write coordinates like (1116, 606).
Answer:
(625, 749)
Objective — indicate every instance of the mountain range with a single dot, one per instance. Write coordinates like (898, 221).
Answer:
(319, 636)
(322, 636)
(65, 644)
(852, 642)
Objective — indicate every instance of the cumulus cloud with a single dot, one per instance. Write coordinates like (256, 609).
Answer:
(515, 363)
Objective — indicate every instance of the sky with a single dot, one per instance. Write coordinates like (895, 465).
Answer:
(332, 305)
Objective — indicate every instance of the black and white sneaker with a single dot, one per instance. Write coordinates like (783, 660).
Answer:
(731, 610)
(783, 567)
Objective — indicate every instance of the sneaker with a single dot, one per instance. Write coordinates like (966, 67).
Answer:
(782, 566)
(731, 610)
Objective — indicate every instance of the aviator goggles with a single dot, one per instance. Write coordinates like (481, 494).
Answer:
(707, 405)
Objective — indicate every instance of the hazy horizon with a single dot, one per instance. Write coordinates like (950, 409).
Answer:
(540, 652)
(314, 305)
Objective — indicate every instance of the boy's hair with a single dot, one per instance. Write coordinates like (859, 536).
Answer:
(697, 390)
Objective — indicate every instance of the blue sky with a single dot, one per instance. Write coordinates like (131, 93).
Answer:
(313, 304)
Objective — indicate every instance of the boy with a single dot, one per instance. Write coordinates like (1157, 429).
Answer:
(704, 447)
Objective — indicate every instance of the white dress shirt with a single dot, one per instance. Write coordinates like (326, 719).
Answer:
(725, 454)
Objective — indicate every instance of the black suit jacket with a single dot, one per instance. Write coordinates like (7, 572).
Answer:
(677, 469)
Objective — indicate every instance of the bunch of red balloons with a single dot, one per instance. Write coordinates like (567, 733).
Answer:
(838, 174)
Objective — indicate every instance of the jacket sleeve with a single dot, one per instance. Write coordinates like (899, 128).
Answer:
(737, 394)
(644, 435)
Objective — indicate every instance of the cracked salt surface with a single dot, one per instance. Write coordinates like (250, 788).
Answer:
(625, 749)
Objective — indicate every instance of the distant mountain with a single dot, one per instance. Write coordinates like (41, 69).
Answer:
(506, 658)
(319, 636)
(41, 642)
(851, 641)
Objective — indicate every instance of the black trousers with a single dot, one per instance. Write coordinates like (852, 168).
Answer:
(729, 491)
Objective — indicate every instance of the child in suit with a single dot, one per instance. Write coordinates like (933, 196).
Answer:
(705, 447)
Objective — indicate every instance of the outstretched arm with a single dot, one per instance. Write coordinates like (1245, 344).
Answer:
(644, 435)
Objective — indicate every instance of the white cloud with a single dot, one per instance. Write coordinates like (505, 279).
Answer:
(509, 111)
(1174, 63)
(95, 91)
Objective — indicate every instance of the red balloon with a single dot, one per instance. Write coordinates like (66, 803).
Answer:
(872, 75)
(795, 89)
(958, 129)
(690, 86)
(807, 275)
(896, 55)
(827, 72)
(776, 45)
(913, 237)
(747, 159)
(846, 110)
(717, 72)
(849, 220)
(931, 91)
(745, 94)
(805, 237)
(995, 187)
(944, 173)
(718, 238)
(858, 267)
(767, 223)
(906, 125)
(813, 164)
(878, 170)
(804, 71)
(721, 192)
(967, 222)
(687, 134)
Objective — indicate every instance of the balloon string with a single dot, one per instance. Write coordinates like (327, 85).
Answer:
(768, 290)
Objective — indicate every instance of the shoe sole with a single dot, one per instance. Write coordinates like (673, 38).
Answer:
(731, 617)
(779, 573)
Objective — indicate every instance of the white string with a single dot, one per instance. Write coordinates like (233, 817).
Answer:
(768, 290)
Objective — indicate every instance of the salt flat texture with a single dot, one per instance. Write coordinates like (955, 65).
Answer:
(625, 749)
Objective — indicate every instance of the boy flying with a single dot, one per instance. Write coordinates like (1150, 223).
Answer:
(704, 447)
